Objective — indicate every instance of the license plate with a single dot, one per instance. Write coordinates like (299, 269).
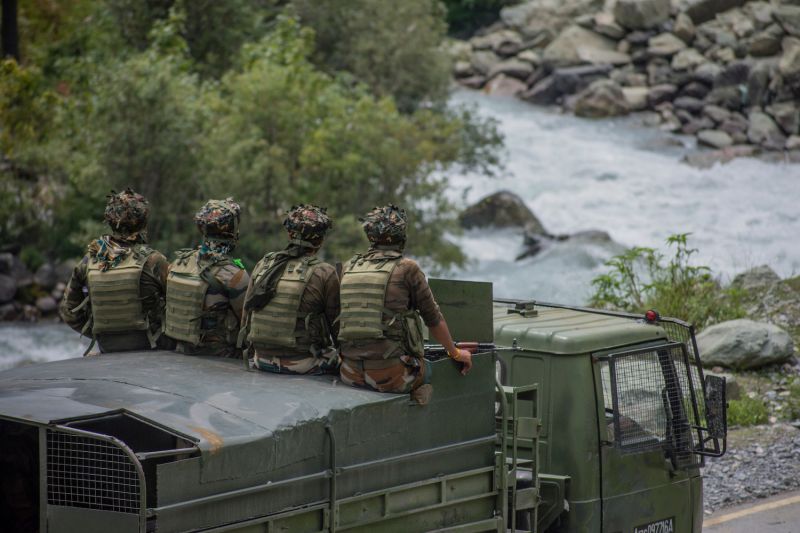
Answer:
(665, 525)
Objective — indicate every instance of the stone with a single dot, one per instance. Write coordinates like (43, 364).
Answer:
(757, 279)
(9, 311)
(8, 288)
(695, 90)
(714, 138)
(45, 276)
(727, 97)
(738, 22)
(530, 56)
(684, 28)
(692, 105)
(544, 92)
(603, 98)
(497, 41)
(744, 345)
(604, 24)
(503, 85)
(766, 42)
(733, 74)
(760, 13)
(641, 14)
(707, 73)
(793, 142)
(659, 72)
(787, 115)
(46, 304)
(687, 59)
(789, 19)
(536, 17)
(716, 113)
(6, 262)
(459, 50)
(661, 93)
(693, 126)
(665, 45)
(724, 55)
(463, 69)
(502, 209)
(636, 97)
(764, 132)
(789, 64)
(599, 56)
(735, 126)
(513, 68)
(473, 82)
(758, 83)
(564, 50)
(709, 158)
(703, 10)
(483, 61)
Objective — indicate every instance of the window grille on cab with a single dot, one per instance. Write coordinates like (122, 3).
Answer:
(92, 473)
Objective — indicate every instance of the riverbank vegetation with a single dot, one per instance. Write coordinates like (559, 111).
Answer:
(271, 102)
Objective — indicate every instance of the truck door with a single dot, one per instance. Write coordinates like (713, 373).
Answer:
(649, 425)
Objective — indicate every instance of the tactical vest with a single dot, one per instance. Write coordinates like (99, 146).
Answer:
(114, 294)
(365, 317)
(186, 294)
(275, 324)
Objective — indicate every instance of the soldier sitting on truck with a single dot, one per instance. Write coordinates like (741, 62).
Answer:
(116, 293)
(293, 301)
(206, 286)
(384, 299)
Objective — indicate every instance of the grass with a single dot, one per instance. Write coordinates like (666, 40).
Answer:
(747, 412)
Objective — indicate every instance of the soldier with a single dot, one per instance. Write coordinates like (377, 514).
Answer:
(384, 298)
(116, 293)
(293, 301)
(206, 286)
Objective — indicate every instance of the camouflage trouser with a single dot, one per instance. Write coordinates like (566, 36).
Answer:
(309, 366)
(398, 374)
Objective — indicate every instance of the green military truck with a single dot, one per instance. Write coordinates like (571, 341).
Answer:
(571, 420)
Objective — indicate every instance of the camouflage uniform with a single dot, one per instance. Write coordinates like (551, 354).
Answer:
(126, 213)
(387, 365)
(290, 315)
(206, 286)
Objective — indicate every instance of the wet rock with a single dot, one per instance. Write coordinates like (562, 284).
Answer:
(727, 97)
(766, 42)
(789, 18)
(789, 64)
(536, 17)
(604, 24)
(641, 14)
(684, 28)
(502, 209)
(758, 83)
(473, 82)
(483, 61)
(636, 97)
(46, 305)
(764, 132)
(46, 276)
(716, 113)
(693, 126)
(463, 69)
(787, 115)
(602, 56)
(695, 90)
(793, 142)
(8, 288)
(692, 105)
(603, 98)
(497, 41)
(732, 75)
(659, 72)
(707, 159)
(564, 50)
(544, 92)
(714, 139)
(661, 93)
(513, 68)
(502, 85)
(665, 45)
(688, 59)
(703, 10)
(530, 56)
(9, 311)
(707, 73)
(744, 344)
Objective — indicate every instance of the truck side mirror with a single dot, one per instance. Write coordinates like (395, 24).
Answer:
(716, 407)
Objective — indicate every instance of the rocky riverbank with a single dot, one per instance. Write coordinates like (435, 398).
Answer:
(724, 71)
(30, 296)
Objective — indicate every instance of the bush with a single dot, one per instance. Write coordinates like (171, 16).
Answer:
(640, 279)
(464, 17)
(747, 412)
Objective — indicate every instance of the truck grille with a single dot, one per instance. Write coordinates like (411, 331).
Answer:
(90, 473)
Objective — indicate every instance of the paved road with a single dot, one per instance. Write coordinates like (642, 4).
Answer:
(779, 514)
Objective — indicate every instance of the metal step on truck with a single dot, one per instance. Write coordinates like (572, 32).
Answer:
(571, 419)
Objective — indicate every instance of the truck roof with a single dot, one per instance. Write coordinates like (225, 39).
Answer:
(211, 400)
(570, 331)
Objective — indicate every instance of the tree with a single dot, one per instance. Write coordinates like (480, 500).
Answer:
(10, 30)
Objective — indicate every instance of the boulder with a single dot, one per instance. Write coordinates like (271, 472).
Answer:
(733, 74)
(472, 82)
(756, 280)
(684, 28)
(8, 288)
(787, 115)
(665, 45)
(695, 90)
(709, 158)
(6, 262)
(603, 98)
(744, 344)
(570, 43)
(9, 311)
(636, 97)
(703, 10)
(789, 64)
(46, 304)
(502, 209)
(716, 113)
(714, 139)
(536, 17)
(693, 126)
(760, 13)
(728, 97)
(544, 92)
(740, 24)
(46, 276)
(530, 56)
(789, 19)
(641, 14)
(793, 142)
(661, 93)
(600, 56)
(766, 42)
(513, 68)
(692, 105)
(503, 42)
(707, 73)
(687, 59)
(764, 132)
(604, 24)
(502, 85)
(483, 61)
(758, 83)
(463, 69)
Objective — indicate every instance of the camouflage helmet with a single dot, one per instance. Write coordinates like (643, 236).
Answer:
(385, 225)
(307, 223)
(126, 212)
(219, 218)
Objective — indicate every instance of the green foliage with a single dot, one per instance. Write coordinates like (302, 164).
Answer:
(640, 279)
(793, 401)
(394, 48)
(747, 412)
(464, 17)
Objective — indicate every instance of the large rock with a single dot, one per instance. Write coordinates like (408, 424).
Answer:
(714, 138)
(8, 288)
(704, 10)
(665, 45)
(536, 17)
(789, 65)
(511, 67)
(789, 19)
(483, 61)
(641, 14)
(503, 42)
(566, 49)
(502, 85)
(744, 344)
(46, 304)
(787, 115)
(684, 28)
(46, 276)
(758, 279)
(764, 132)
(687, 59)
(636, 97)
(502, 209)
(603, 98)
(766, 42)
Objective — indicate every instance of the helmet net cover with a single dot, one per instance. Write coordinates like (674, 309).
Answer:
(385, 225)
(219, 218)
(126, 212)
(308, 223)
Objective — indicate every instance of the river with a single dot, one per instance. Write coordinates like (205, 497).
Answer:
(612, 175)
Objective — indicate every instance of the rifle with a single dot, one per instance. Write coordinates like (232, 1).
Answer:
(437, 351)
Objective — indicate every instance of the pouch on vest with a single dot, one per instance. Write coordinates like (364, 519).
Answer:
(116, 303)
(186, 292)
